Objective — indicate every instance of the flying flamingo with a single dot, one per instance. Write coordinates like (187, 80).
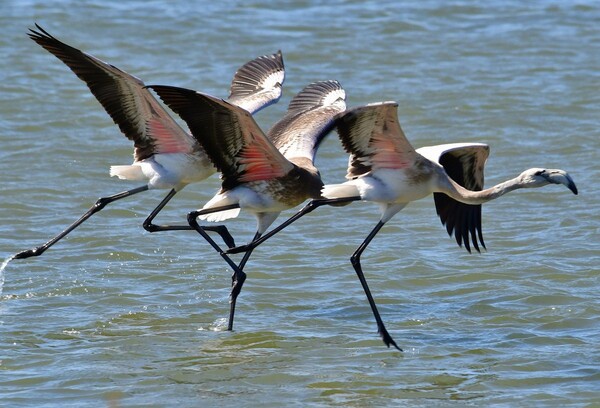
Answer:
(386, 169)
(165, 155)
(264, 174)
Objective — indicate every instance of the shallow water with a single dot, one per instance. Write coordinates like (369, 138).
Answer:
(114, 316)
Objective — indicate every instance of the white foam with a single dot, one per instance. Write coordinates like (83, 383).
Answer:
(2, 267)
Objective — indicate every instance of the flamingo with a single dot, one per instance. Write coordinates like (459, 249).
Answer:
(165, 155)
(264, 174)
(384, 168)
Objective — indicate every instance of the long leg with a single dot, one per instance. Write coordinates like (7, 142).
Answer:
(99, 205)
(355, 259)
(237, 283)
(150, 227)
(311, 206)
(239, 276)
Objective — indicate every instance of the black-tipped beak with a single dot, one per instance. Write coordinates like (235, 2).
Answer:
(557, 176)
(570, 183)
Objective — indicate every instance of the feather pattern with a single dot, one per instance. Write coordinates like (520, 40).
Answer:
(310, 113)
(373, 137)
(234, 142)
(132, 107)
(140, 116)
(257, 84)
(464, 163)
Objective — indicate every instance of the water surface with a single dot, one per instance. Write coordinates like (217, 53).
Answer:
(116, 316)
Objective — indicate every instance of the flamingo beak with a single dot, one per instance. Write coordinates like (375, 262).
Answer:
(562, 177)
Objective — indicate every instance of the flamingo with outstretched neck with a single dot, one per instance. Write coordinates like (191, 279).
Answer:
(384, 168)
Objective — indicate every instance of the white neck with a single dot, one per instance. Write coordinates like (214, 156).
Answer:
(463, 195)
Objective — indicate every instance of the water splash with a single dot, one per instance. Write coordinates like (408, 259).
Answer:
(219, 324)
(2, 267)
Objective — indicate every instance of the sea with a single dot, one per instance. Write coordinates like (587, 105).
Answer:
(113, 316)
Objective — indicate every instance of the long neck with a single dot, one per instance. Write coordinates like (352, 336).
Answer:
(463, 195)
(304, 163)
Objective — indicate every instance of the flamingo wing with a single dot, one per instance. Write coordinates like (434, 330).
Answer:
(464, 163)
(309, 118)
(373, 137)
(231, 138)
(132, 107)
(257, 84)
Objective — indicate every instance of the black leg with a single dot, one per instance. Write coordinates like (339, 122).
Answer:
(238, 279)
(355, 259)
(311, 206)
(99, 205)
(244, 260)
(193, 222)
(150, 227)
(239, 276)
(237, 283)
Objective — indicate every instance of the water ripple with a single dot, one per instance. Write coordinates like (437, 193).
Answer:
(114, 316)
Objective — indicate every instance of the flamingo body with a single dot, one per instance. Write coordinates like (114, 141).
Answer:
(166, 171)
(386, 169)
(263, 174)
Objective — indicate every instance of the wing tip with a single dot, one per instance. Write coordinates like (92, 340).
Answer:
(40, 35)
(316, 94)
(263, 72)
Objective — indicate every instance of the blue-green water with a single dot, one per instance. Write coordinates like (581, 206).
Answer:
(114, 316)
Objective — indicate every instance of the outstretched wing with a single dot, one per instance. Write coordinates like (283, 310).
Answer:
(464, 163)
(132, 107)
(231, 138)
(309, 118)
(373, 137)
(257, 84)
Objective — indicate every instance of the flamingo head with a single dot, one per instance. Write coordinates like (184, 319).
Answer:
(540, 177)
